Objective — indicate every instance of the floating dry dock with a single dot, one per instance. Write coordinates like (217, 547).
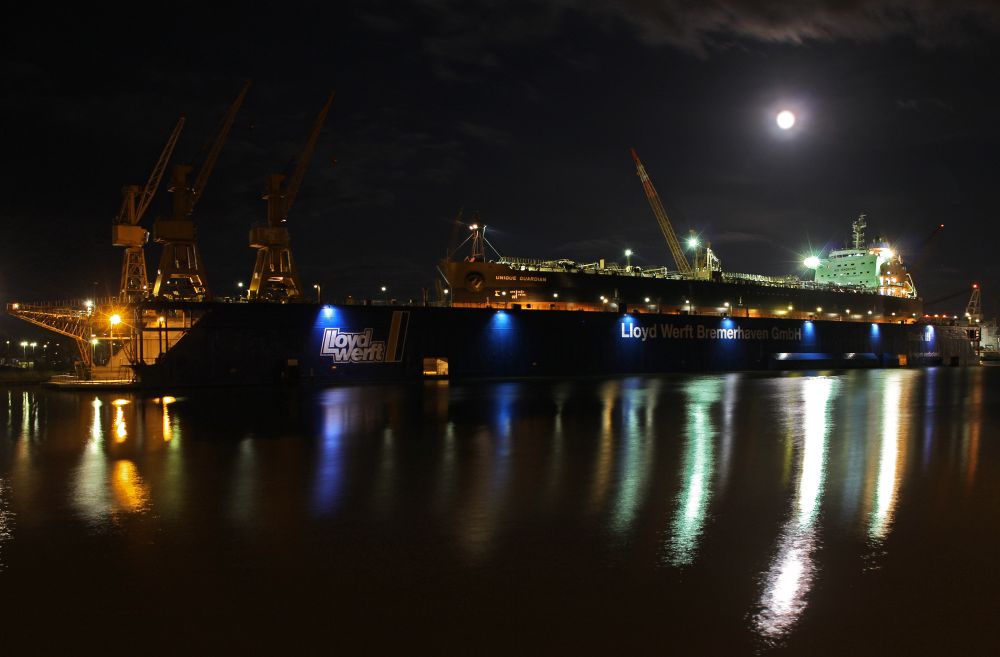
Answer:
(247, 343)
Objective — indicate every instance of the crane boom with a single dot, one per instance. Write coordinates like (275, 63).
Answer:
(295, 181)
(661, 216)
(154, 178)
(213, 153)
(136, 202)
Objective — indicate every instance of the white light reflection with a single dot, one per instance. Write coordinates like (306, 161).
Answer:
(5, 523)
(696, 472)
(895, 427)
(96, 432)
(636, 447)
(26, 411)
(791, 573)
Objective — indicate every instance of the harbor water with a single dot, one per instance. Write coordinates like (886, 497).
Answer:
(820, 513)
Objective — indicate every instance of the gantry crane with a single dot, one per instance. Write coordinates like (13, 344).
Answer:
(126, 231)
(661, 217)
(181, 274)
(275, 276)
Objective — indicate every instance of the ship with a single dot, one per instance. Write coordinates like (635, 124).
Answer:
(860, 282)
(493, 317)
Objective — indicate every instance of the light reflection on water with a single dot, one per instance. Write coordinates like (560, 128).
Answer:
(5, 519)
(652, 475)
(790, 576)
(696, 472)
(892, 456)
(636, 449)
(106, 484)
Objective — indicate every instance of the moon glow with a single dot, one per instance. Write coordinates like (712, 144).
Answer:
(785, 119)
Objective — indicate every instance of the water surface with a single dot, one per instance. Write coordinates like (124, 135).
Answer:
(820, 513)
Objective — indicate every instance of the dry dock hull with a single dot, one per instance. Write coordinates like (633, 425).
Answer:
(260, 343)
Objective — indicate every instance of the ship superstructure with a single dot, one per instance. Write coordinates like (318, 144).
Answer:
(876, 267)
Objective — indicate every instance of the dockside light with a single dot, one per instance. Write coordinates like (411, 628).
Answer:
(812, 262)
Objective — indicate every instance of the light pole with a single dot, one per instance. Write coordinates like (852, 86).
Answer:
(628, 259)
(319, 291)
(93, 349)
(383, 294)
(24, 349)
(239, 286)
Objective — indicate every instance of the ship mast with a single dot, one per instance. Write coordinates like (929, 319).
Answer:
(858, 230)
(661, 216)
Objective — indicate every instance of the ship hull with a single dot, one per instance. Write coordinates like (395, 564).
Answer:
(266, 344)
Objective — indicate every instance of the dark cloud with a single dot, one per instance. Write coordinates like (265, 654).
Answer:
(739, 237)
(484, 133)
(923, 105)
(701, 25)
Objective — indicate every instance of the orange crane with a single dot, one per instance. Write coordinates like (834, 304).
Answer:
(181, 274)
(126, 231)
(275, 276)
(974, 309)
(661, 217)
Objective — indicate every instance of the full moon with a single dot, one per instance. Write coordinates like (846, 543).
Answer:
(785, 119)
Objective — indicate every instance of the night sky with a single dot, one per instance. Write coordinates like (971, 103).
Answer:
(524, 112)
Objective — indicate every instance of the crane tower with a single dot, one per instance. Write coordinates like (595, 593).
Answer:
(275, 276)
(126, 231)
(181, 273)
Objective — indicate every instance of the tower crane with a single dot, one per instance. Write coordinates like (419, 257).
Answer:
(661, 217)
(126, 231)
(275, 276)
(181, 273)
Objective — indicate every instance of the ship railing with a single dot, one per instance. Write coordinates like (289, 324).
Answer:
(760, 278)
(532, 263)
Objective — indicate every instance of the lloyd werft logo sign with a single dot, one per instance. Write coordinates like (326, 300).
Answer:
(361, 347)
